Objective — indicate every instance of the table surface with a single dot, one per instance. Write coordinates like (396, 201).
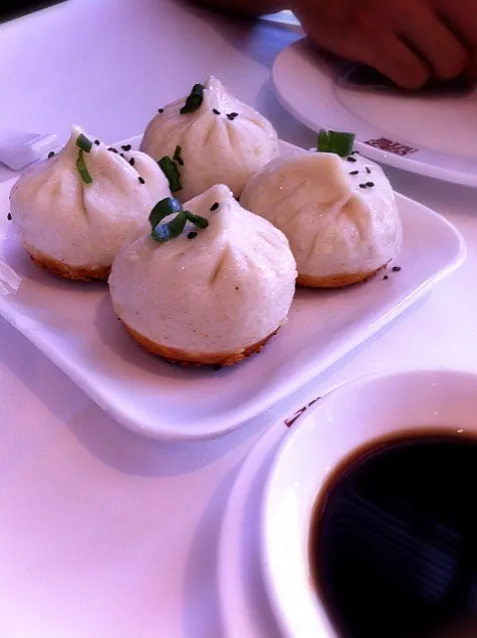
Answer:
(103, 533)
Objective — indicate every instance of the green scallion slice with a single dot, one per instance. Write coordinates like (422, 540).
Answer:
(177, 156)
(323, 144)
(82, 168)
(174, 228)
(84, 143)
(194, 100)
(337, 142)
(164, 208)
(171, 171)
(197, 220)
(341, 143)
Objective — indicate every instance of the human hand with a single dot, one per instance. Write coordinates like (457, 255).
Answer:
(409, 41)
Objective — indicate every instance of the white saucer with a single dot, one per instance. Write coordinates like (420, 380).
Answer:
(429, 135)
(370, 408)
(248, 608)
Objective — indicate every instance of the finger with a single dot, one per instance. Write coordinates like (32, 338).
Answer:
(462, 20)
(394, 59)
(441, 49)
(382, 51)
(370, 42)
(461, 17)
(471, 70)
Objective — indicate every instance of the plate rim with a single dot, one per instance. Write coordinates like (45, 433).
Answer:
(251, 466)
(272, 438)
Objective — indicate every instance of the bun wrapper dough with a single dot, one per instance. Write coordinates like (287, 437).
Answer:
(75, 229)
(339, 215)
(209, 296)
(223, 142)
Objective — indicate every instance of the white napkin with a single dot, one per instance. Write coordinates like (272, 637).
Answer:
(19, 149)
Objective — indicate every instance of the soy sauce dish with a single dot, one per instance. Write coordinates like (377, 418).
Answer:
(368, 517)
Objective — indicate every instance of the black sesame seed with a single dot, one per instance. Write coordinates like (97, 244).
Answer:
(160, 110)
(97, 142)
(217, 367)
(362, 185)
(236, 287)
(386, 277)
(192, 235)
(214, 206)
(131, 161)
(216, 111)
(122, 155)
(351, 159)
(369, 184)
(51, 154)
(396, 268)
(141, 180)
(368, 170)
(354, 172)
(232, 116)
(126, 147)
(9, 217)
(112, 149)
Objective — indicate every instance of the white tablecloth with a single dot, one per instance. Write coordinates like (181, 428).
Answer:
(102, 533)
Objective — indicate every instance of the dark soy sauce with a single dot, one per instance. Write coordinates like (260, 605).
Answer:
(393, 540)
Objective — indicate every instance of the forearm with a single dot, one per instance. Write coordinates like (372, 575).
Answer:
(245, 7)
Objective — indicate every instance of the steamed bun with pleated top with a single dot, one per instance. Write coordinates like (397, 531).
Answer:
(210, 284)
(76, 210)
(209, 138)
(338, 213)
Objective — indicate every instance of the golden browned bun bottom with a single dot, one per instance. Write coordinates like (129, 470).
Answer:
(197, 359)
(65, 271)
(337, 281)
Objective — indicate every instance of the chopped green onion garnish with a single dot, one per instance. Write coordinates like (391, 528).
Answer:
(335, 142)
(194, 100)
(341, 143)
(323, 144)
(165, 207)
(197, 220)
(174, 228)
(171, 171)
(83, 169)
(84, 143)
(177, 156)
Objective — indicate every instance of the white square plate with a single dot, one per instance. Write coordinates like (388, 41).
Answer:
(74, 325)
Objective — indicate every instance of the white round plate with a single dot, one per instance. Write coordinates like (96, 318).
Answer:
(359, 412)
(429, 135)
